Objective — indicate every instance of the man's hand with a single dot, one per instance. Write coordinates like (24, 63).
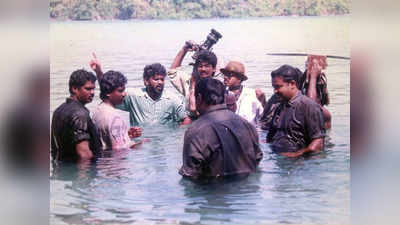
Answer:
(186, 121)
(83, 151)
(134, 132)
(315, 64)
(95, 64)
(261, 97)
(190, 46)
(293, 154)
(316, 68)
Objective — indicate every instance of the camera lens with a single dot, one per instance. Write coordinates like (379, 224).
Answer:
(216, 34)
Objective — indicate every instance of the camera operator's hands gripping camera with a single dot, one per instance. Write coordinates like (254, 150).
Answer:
(212, 38)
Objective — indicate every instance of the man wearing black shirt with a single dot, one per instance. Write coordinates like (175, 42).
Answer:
(73, 134)
(297, 124)
(220, 144)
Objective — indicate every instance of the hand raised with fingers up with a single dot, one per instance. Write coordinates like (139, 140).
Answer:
(96, 66)
(315, 65)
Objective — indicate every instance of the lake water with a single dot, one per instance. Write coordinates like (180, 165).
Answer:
(144, 187)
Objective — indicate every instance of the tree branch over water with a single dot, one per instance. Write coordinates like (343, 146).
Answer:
(192, 9)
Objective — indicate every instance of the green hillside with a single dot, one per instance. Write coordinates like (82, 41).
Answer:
(189, 9)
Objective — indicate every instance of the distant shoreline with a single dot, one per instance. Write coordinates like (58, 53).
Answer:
(216, 18)
(65, 10)
(205, 18)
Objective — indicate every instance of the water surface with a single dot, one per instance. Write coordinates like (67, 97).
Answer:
(144, 187)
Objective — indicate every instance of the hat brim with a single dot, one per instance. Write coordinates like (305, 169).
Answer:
(243, 77)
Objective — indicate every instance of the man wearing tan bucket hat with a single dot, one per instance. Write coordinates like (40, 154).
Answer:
(247, 103)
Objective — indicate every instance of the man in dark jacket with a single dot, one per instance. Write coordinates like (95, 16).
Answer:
(73, 134)
(297, 124)
(220, 143)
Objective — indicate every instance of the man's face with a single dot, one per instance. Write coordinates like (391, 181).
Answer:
(117, 96)
(205, 69)
(231, 80)
(85, 93)
(155, 83)
(283, 89)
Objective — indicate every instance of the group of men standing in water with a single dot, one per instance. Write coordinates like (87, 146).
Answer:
(221, 140)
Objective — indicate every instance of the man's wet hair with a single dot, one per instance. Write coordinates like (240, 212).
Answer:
(79, 77)
(154, 69)
(206, 56)
(111, 80)
(211, 90)
(288, 73)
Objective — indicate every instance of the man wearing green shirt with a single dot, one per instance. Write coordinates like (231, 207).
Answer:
(150, 105)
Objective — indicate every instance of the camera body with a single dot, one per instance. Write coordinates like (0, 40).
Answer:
(212, 38)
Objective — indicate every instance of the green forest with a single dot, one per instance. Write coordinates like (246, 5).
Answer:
(192, 9)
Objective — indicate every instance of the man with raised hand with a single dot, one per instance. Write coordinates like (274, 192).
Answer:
(149, 105)
(204, 66)
(113, 130)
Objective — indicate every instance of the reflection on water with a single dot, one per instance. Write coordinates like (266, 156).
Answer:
(142, 186)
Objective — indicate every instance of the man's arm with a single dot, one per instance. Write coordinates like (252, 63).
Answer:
(186, 121)
(261, 97)
(81, 135)
(193, 158)
(181, 114)
(313, 74)
(179, 58)
(316, 145)
(181, 54)
(254, 136)
(83, 150)
(192, 97)
(96, 67)
(177, 77)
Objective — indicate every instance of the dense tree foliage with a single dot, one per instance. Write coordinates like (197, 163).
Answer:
(188, 9)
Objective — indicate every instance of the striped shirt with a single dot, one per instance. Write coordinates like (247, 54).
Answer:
(144, 110)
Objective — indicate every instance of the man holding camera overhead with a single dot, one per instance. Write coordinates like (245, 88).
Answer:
(204, 66)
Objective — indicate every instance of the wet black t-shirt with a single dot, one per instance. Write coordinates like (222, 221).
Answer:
(295, 124)
(72, 124)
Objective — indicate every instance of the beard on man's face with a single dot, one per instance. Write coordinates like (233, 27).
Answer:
(156, 89)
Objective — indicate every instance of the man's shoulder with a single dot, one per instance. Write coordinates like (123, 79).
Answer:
(136, 92)
(305, 100)
(199, 126)
(102, 110)
(307, 104)
(72, 109)
(216, 118)
(171, 96)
